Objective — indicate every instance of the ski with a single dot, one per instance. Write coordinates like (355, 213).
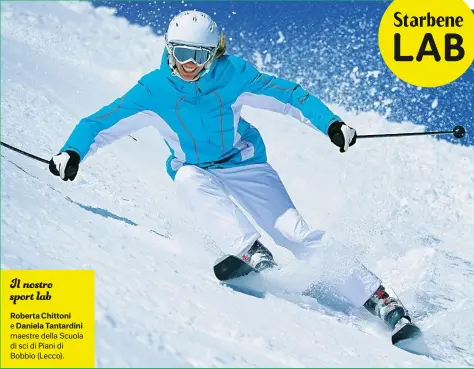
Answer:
(408, 337)
(406, 331)
(230, 267)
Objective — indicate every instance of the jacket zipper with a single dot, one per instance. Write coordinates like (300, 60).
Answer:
(197, 87)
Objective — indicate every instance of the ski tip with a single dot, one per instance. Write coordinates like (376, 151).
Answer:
(410, 338)
(408, 332)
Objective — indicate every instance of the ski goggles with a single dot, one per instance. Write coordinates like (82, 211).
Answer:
(197, 55)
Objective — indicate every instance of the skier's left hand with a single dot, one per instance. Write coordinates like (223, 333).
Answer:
(342, 135)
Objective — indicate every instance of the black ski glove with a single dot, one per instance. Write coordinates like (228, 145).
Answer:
(65, 165)
(342, 135)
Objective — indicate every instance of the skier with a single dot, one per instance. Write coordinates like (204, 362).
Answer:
(194, 100)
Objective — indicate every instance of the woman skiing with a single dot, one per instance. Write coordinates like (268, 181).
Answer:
(194, 100)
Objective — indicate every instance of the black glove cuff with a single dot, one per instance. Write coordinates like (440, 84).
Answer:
(75, 159)
(335, 128)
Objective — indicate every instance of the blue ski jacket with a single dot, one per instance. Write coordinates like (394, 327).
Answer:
(200, 121)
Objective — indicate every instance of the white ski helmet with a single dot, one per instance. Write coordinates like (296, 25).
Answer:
(195, 29)
(192, 28)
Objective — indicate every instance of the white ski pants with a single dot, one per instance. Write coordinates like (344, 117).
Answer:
(259, 190)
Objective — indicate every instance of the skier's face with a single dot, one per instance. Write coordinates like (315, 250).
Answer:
(188, 71)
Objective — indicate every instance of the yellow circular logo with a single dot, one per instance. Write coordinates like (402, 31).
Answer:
(427, 43)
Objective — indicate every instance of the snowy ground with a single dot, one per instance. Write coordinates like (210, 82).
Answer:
(404, 206)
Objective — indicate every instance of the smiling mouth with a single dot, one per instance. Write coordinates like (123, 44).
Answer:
(189, 70)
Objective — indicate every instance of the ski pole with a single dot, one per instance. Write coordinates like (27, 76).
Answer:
(69, 172)
(25, 153)
(458, 132)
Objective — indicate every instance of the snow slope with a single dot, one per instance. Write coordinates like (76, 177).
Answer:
(405, 207)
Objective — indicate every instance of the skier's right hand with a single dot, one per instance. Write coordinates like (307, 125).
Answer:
(65, 165)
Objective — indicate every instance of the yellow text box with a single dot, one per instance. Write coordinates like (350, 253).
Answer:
(47, 318)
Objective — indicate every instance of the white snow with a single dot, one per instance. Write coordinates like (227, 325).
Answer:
(434, 104)
(258, 60)
(268, 58)
(404, 206)
(355, 75)
(373, 73)
(281, 38)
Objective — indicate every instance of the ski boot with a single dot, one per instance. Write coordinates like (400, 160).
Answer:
(251, 260)
(386, 307)
(258, 257)
(393, 314)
